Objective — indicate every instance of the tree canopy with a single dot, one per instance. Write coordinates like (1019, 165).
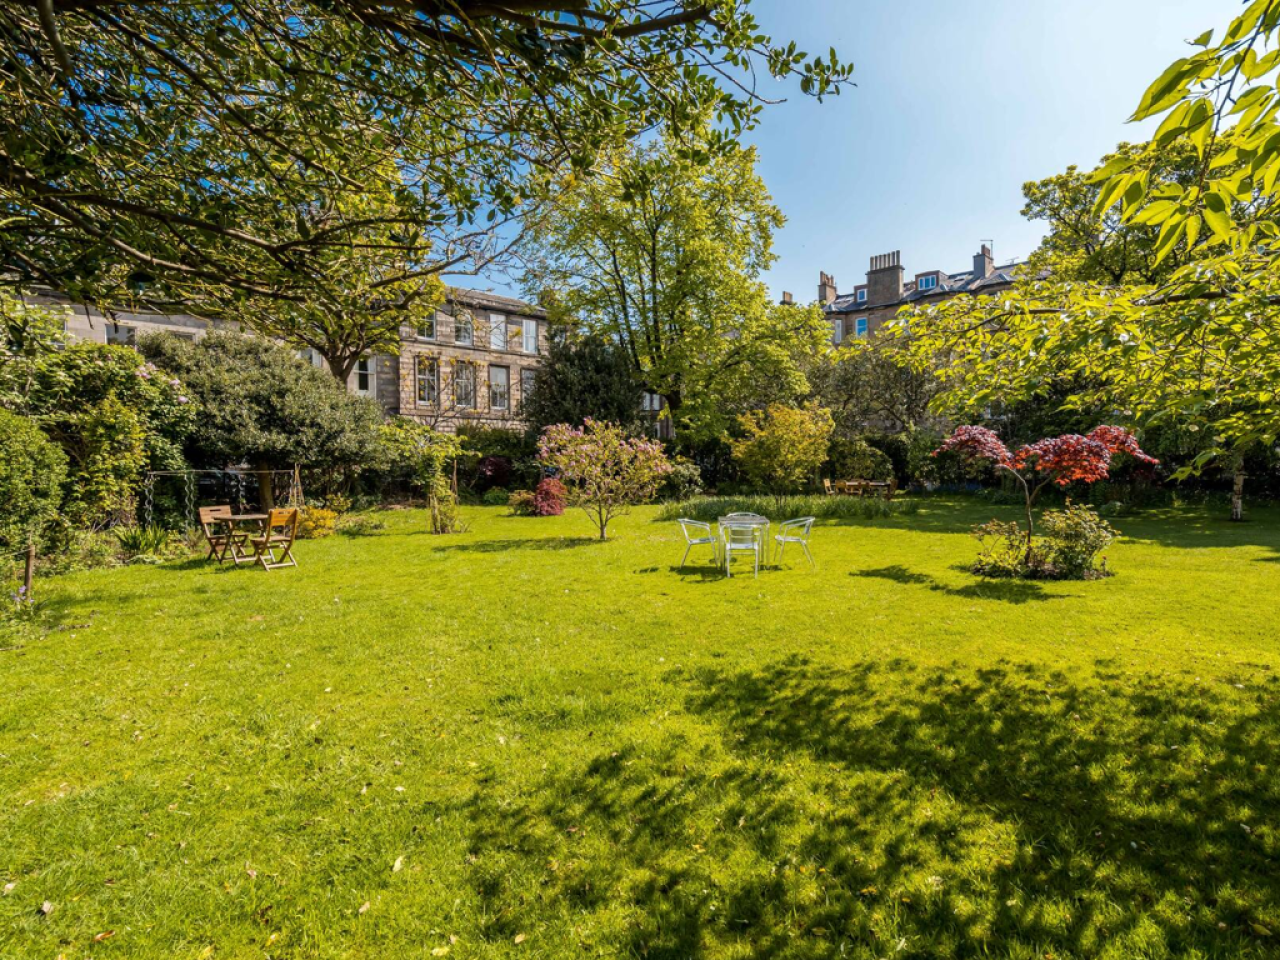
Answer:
(203, 151)
(580, 378)
(263, 406)
(662, 255)
(1196, 345)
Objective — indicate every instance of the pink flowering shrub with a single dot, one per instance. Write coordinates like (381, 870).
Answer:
(604, 471)
(1055, 460)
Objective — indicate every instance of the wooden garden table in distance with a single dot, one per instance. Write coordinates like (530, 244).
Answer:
(238, 554)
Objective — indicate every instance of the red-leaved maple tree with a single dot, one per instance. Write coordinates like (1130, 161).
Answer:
(1060, 460)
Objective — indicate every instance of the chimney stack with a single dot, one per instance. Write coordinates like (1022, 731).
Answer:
(884, 279)
(983, 263)
(826, 288)
(787, 299)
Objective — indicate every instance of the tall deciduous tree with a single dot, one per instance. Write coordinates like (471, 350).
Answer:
(1198, 347)
(662, 253)
(169, 150)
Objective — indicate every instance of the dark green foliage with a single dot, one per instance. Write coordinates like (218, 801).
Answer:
(583, 377)
(111, 412)
(683, 482)
(856, 459)
(262, 405)
(31, 473)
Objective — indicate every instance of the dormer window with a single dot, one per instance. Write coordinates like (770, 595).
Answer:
(927, 282)
(862, 295)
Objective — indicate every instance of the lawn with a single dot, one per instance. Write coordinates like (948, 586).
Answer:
(521, 742)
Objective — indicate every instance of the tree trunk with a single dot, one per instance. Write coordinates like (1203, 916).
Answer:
(29, 574)
(1237, 491)
(266, 493)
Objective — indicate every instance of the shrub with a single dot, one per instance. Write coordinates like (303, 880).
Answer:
(549, 498)
(683, 482)
(114, 415)
(521, 503)
(495, 497)
(855, 459)
(423, 453)
(784, 446)
(1068, 546)
(493, 473)
(1002, 551)
(338, 503)
(1055, 460)
(31, 474)
(1075, 538)
(316, 522)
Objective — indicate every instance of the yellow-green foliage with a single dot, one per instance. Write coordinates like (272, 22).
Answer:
(316, 522)
(783, 446)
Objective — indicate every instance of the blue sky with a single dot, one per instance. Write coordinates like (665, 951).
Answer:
(957, 105)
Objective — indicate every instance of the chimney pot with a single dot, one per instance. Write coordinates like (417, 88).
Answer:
(826, 288)
(983, 263)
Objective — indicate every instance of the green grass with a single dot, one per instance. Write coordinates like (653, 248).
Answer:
(521, 734)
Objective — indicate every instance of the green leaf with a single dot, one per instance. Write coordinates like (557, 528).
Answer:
(1217, 215)
(1169, 88)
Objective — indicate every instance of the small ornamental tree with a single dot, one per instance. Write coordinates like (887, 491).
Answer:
(424, 453)
(784, 446)
(604, 471)
(1057, 460)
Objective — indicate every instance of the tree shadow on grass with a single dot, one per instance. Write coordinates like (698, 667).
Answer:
(879, 810)
(1006, 591)
(505, 546)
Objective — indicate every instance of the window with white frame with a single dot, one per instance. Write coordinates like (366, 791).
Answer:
(427, 327)
(530, 331)
(365, 377)
(928, 283)
(428, 374)
(651, 402)
(499, 388)
(527, 379)
(464, 385)
(860, 327)
(464, 328)
(497, 331)
(862, 296)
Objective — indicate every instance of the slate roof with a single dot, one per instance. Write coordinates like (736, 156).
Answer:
(948, 283)
(493, 301)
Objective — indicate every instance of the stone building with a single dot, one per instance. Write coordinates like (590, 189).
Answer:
(863, 311)
(471, 362)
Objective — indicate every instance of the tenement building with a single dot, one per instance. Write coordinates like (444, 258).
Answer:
(870, 305)
(471, 361)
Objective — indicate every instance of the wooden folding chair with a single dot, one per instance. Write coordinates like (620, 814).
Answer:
(218, 532)
(278, 534)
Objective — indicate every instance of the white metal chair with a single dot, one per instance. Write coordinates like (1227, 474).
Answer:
(698, 534)
(795, 531)
(741, 538)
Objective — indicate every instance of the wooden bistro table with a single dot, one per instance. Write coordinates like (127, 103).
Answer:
(239, 538)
